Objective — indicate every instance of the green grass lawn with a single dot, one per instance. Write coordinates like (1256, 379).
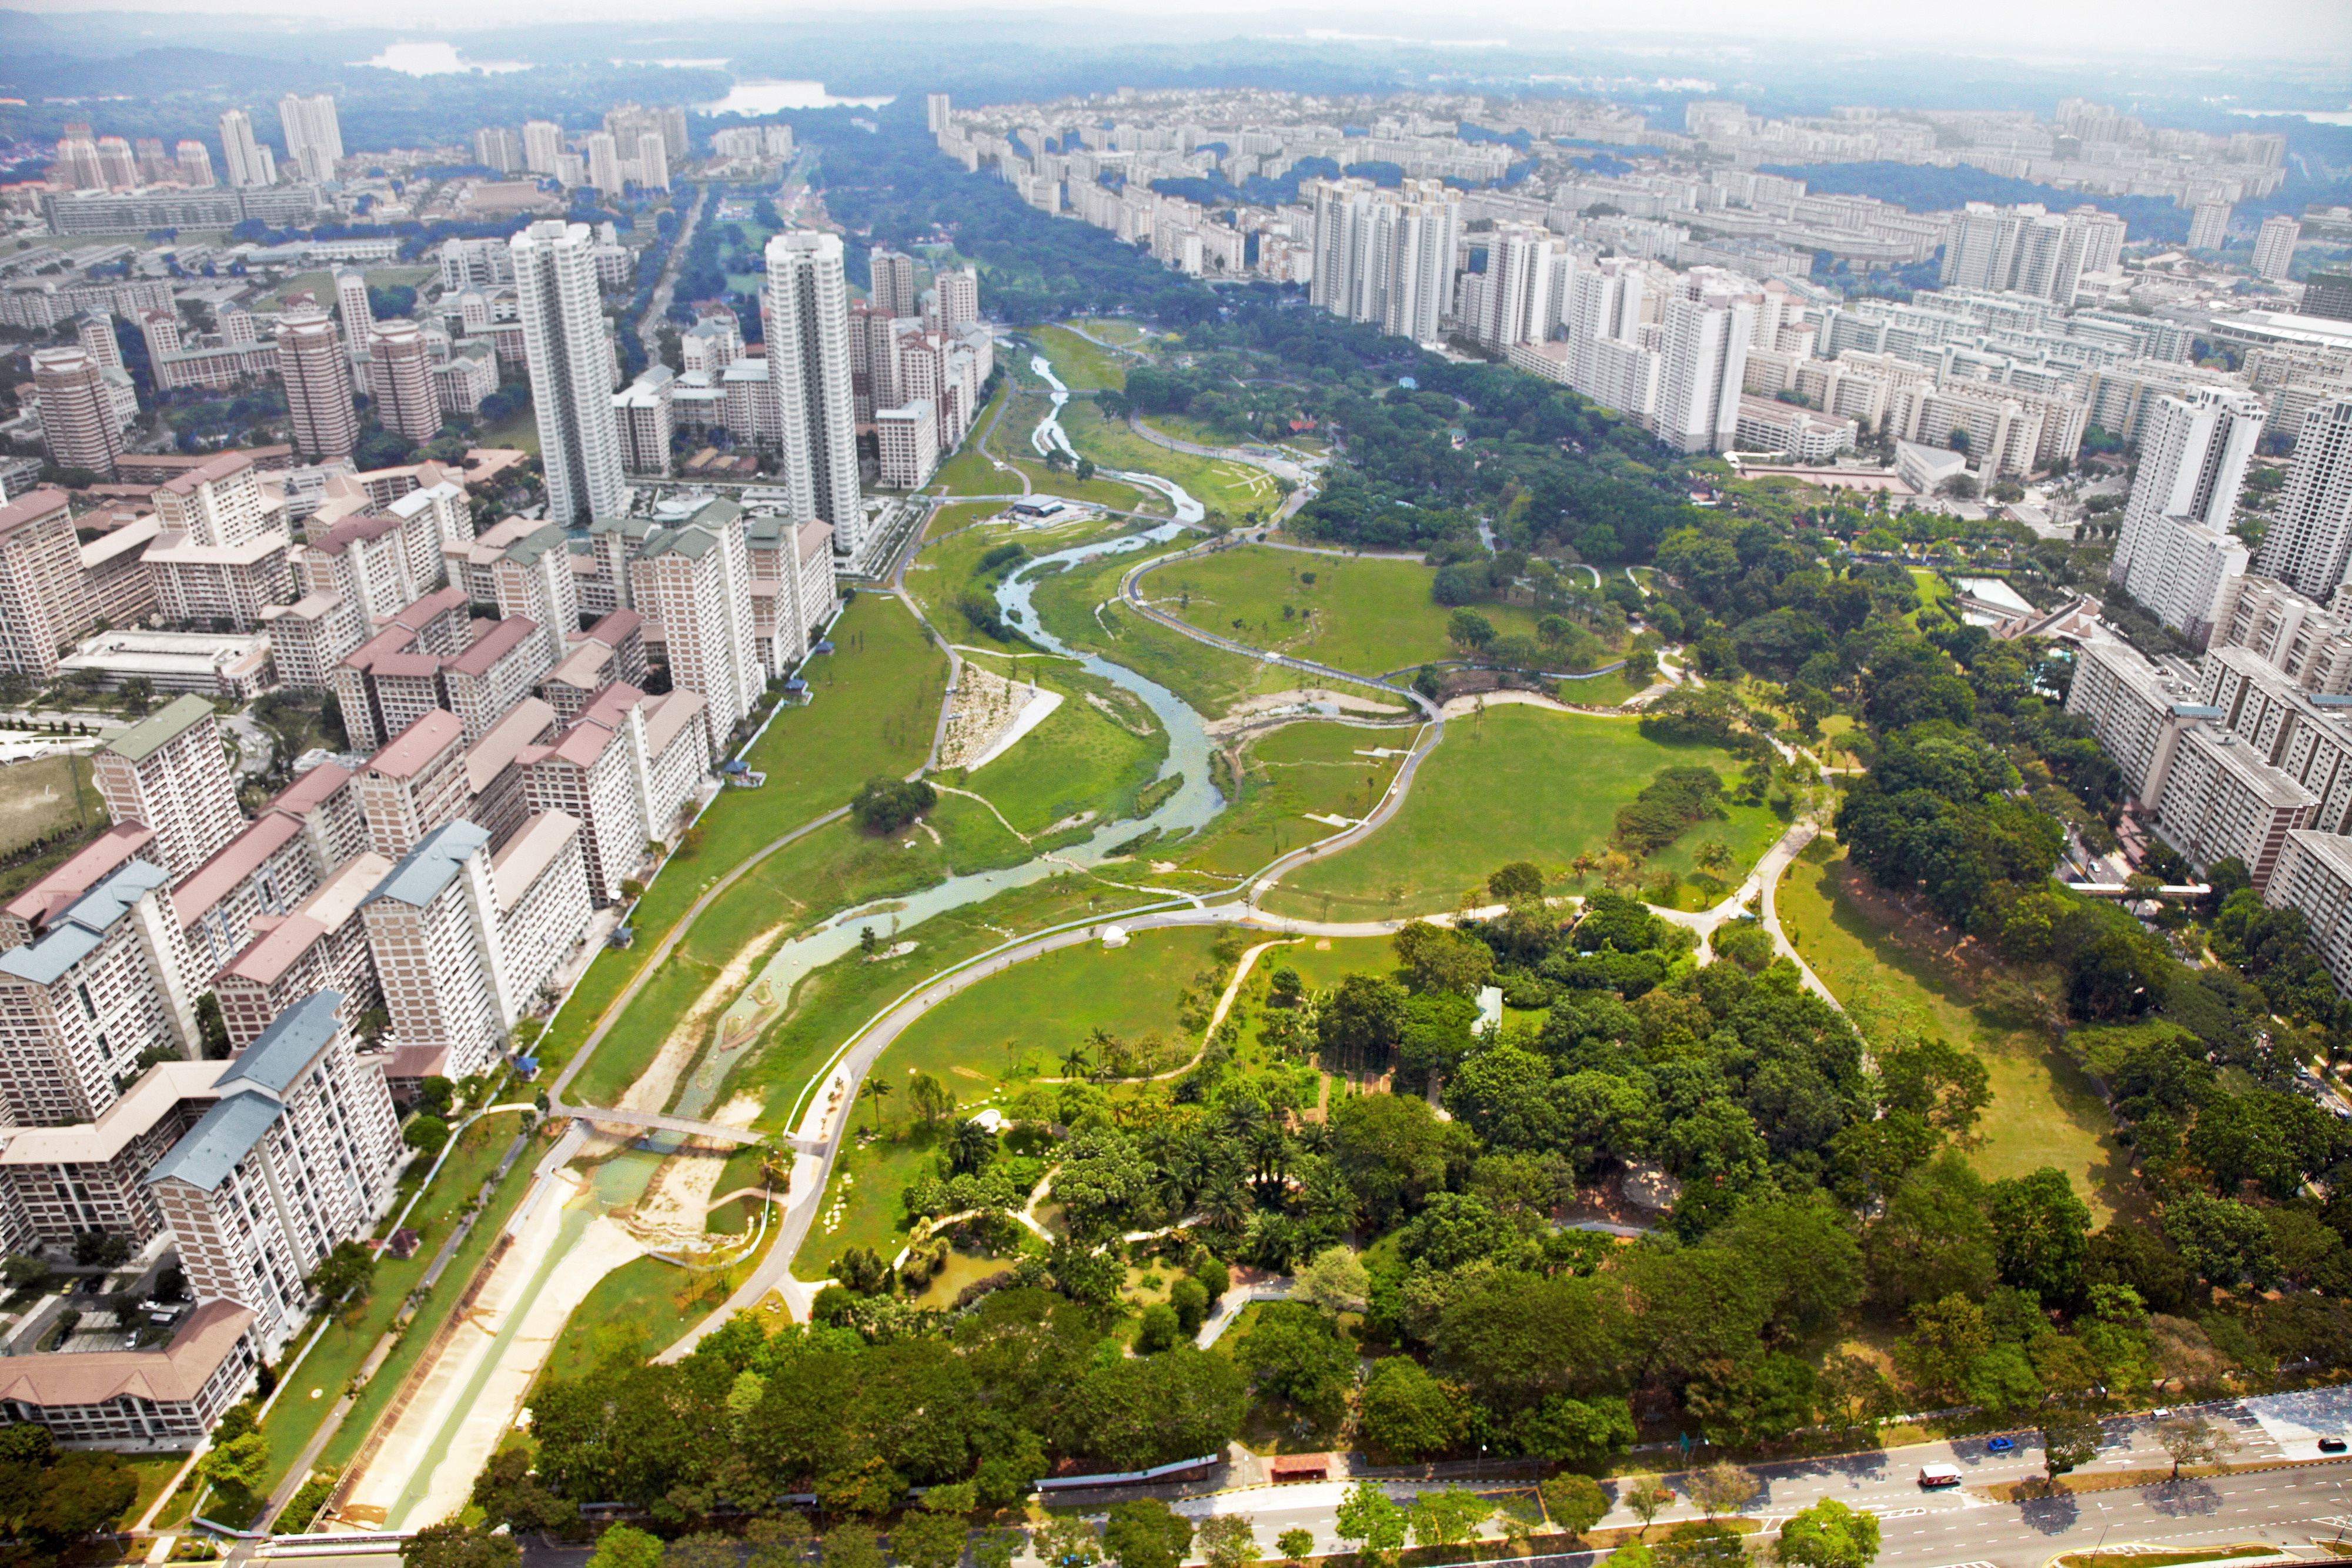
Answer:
(970, 472)
(1366, 615)
(1080, 760)
(876, 699)
(1219, 485)
(1126, 334)
(2045, 1111)
(1075, 606)
(47, 797)
(1522, 783)
(637, 1308)
(997, 1036)
(519, 430)
(1083, 366)
(1289, 772)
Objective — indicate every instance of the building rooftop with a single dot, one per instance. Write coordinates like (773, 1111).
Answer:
(311, 790)
(31, 508)
(77, 932)
(529, 854)
(283, 1051)
(173, 1376)
(226, 1134)
(150, 736)
(519, 726)
(428, 868)
(668, 714)
(353, 531)
(60, 888)
(417, 748)
(209, 472)
(203, 888)
(501, 638)
(159, 1089)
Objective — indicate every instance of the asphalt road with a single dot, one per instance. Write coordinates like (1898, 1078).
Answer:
(1949, 1529)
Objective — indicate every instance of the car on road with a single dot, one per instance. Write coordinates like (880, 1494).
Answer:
(2332, 1445)
(1932, 1476)
(2000, 1445)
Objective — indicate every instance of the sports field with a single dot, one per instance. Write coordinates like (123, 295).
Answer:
(1518, 783)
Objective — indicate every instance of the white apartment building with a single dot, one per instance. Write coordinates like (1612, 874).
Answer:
(541, 878)
(2275, 246)
(792, 593)
(321, 946)
(2175, 551)
(250, 164)
(1703, 361)
(1386, 255)
(299, 1153)
(696, 580)
(108, 978)
(2308, 545)
(440, 955)
(806, 308)
(314, 137)
(2220, 799)
(417, 782)
(316, 372)
(170, 771)
(400, 380)
(570, 357)
(909, 438)
(45, 599)
(2311, 646)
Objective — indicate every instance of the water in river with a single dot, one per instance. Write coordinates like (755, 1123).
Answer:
(1192, 807)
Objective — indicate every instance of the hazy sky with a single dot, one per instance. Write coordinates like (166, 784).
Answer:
(2187, 31)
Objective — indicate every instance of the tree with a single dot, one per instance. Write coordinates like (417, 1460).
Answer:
(781, 1541)
(1516, 882)
(426, 1135)
(1645, 1495)
(926, 1540)
(1407, 1413)
(138, 694)
(509, 1494)
(241, 1463)
(454, 1545)
(877, 1090)
(1369, 1519)
(1147, 1533)
(1227, 1541)
(1721, 1487)
(1576, 1503)
(1333, 1280)
(2194, 1440)
(2040, 1233)
(1700, 1543)
(930, 1100)
(2070, 1439)
(80, 1493)
(212, 1027)
(884, 805)
(346, 1271)
(1296, 1354)
(1829, 1534)
(852, 1546)
(1068, 1541)
(1294, 1545)
(704, 1549)
(624, 1546)
(1446, 1518)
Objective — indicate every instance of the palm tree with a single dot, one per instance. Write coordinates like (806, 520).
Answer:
(877, 1090)
(1075, 1062)
(969, 1148)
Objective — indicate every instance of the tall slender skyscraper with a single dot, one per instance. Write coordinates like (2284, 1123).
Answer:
(317, 371)
(400, 380)
(2193, 451)
(890, 276)
(805, 306)
(542, 140)
(247, 162)
(1703, 361)
(2308, 545)
(351, 305)
(570, 362)
(314, 137)
(77, 421)
(195, 162)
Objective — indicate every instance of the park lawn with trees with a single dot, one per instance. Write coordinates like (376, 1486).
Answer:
(1079, 761)
(2045, 1111)
(47, 797)
(876, 705)
(1517, 782)
(1367, 615)
(1083, 366)
(635, 1310)
(1125, 1006)
(1285, 774)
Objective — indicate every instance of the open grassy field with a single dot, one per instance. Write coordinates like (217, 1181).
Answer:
(1125, 333)
(1083, 366)
(519, 430)
(1220, 486)
(2044, 1111)
(633, 1311)
(1285, 774)
(1521, 783)
(1081, 762)
(996, 1035)
(1371, 616)
(970, 472)
(877, 700)
(45, 797)
(1077, 606)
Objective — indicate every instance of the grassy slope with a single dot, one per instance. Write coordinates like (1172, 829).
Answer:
(1369, 616)
(2044, 1110)
(1079, 759)
(1208, 678)
(1522, 783)
(1083, 366)
(1215, 484)
(873, 715)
